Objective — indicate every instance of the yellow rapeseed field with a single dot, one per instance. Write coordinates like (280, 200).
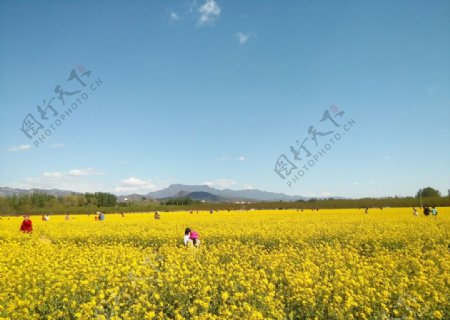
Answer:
(288, 264)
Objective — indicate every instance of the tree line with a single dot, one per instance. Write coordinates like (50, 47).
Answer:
(45, 203)
(40, 203)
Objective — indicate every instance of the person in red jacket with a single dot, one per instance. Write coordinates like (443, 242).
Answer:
(27, 225)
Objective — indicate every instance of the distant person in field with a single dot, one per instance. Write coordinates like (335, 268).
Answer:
(101, 216)
(434, 212)
(191, 237)
(426, 210)
(415, 212)
(27, 225)
(157, 215)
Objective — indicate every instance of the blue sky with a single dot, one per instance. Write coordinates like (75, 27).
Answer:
(214, 92)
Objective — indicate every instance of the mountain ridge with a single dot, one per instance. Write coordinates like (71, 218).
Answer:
(243, 194)
(174, 191)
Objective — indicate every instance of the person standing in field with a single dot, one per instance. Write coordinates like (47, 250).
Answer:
(27, 225)
(191, 237)
(415, 212)
(434, 212)
(426, 210)
(157, 215)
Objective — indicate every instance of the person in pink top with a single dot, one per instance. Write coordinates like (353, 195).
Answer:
(191, 237)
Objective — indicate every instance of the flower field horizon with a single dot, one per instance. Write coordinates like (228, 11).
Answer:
(262, 264)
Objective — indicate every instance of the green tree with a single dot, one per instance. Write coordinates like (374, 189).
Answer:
(428, 192)
(178, 202)
(105, 199)
(4, 206)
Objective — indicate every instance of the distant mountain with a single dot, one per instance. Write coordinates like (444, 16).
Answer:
(205, 196)
(195, 192)
(182, 194)
(175, 190)
(8, 192)
(255, 194)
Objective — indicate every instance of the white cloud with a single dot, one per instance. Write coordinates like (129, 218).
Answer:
(244, 37)
(209, 12)
(55, 174)
(227, 158)
(84, 172)
(205, 12)
(135, 185)
(22, 147)
(57, 146)
(134, 182)
(174, 16)
(64, 180)
(221, 183)
(247, 187)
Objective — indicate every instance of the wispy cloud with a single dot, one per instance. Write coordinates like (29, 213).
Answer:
(55, 174)
(135, 185)
(174, 16)
(244, 37)
(22, 147)
(68, 180)
(221, 183)
(84, 172)
(227, 158)
(209, 12)
(73, 173)
(57, 146)
(205, 12)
